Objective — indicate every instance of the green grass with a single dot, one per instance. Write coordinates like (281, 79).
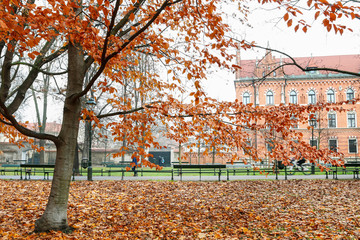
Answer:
(187, 172)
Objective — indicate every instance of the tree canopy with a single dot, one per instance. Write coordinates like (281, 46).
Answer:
(91, 48)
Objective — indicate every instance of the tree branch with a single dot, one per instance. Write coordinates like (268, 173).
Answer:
(37, 68)
(123, 46)
(23, 130)
(294, 63)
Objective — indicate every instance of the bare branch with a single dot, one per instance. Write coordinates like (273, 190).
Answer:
(37, 68)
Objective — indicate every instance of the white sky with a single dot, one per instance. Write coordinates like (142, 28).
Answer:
(268, 30)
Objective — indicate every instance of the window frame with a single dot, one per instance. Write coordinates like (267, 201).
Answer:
(356, 145)
(330, 96)
(270, 97)
(293, 99)
(331, 147)
(311, 97)
(353, 120)
(312, 141)
(247, 97)
(332, 120)
(348, 93)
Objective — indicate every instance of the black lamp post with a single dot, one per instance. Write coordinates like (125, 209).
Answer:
(91, 102)
(312, 124)
(106, 140)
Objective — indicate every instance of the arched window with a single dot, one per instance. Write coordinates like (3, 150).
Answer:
(246, 98)
(293, 97)
(311, 97)
(349, 94)
(331, 96)
(270, 98)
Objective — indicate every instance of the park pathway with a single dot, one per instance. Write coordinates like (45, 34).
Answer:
(191, 178)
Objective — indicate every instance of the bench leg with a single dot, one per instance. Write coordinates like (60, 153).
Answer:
(335, 174)
(27, 173)
(47, 175)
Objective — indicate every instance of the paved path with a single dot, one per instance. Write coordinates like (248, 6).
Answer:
(192, 178)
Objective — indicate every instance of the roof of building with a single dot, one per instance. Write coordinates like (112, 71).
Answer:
(256, 67)
(51, 127)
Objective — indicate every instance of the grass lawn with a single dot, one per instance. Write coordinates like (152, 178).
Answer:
(293, 209)
(167, 172)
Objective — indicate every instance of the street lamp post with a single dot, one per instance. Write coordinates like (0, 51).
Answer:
(106, 140)
(312, 124)
(90, 102)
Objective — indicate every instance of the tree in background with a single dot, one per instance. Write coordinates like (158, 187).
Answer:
(186, 36)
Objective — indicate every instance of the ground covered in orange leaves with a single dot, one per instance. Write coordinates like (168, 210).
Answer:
(299, 209)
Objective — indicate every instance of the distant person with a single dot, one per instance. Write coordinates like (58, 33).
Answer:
(162, 160)
(301, 161)
(134, 160)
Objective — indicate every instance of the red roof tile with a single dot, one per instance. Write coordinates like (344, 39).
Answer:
(344, 62)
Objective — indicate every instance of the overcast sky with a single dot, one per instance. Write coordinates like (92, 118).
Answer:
(268, 29)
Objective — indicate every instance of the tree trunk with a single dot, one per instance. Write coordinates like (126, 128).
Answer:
(55, 215)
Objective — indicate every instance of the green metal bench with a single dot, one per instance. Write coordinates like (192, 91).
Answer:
(199, 168)
(10, 168)
(46, 169)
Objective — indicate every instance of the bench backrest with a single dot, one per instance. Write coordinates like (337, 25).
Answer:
(38, 165)
(118, 165)
(10, 165)
(353, 164)
(200, 166)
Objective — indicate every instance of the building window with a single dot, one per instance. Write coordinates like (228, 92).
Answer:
(312, 97)
(352, 146)
(313, 143)
(270, 146)
(246, 148)
(295, 123)
(333, 145)
(331, 96)
(246, 98)
(351, 120)
(332, 120)
(293, 97)
(270, 98)
(349, 94)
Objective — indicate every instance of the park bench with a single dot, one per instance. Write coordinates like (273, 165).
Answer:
(199, 168)
(237, 165)
(46, 169)
(10, 168)
(179, 163)
(355, 167)
(115, 168)
(107, 163)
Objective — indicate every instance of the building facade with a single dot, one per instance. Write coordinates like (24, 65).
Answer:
(274, 81)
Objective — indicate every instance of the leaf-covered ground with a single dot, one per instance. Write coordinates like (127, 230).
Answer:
(308, 209)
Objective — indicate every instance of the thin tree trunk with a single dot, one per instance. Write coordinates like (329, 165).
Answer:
(76, 167)
(55, 215)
